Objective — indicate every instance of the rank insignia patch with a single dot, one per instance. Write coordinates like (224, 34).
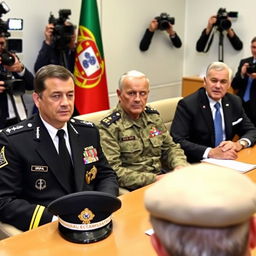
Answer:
(3, 161)
(90, 155)
(86, 216)
(90, 175)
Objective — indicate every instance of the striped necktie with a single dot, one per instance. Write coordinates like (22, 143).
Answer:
(218, 125)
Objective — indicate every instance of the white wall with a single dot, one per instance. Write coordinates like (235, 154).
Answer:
(197, 14)
(35, 14)
(123, 25)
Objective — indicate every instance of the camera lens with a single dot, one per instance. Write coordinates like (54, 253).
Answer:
(225, 24)
(7, 58)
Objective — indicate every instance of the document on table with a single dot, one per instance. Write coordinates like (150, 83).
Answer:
(236, 165)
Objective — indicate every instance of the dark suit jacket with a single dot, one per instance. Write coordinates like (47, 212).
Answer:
(30, 173)
(239, 84)
(50, 55)
(4, 112)
(193, 125)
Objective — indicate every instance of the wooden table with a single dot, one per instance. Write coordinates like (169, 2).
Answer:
(127, 239)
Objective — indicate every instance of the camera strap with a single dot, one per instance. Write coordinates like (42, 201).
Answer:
(18, 107)
(209, 41)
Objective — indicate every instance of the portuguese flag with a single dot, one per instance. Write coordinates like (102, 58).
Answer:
(91, 92)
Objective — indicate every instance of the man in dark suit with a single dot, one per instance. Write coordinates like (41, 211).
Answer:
(32, 173)
(244, 83)
(204, 131)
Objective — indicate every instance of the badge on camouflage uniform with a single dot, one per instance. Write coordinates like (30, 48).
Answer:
(3, 161)
(86, 216)
(91, 175)
(154, 132)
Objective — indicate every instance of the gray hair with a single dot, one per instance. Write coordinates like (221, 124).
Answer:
(179, 240)
(132, 74)
(219, 66)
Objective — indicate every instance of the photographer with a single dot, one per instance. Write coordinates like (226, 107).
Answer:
(207, 35)
(53, 53)
(244, 82)
(153, 26)
(12, 107)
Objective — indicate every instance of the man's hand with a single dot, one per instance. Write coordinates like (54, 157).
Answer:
(48, 33)
(153, 25)
(226, 150)
(2, 88)
(16, 67)
(244, 69)
(212, 20)
(252, 75)
(170, 30)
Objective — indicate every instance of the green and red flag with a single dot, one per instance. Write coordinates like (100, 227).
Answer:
(91, 92)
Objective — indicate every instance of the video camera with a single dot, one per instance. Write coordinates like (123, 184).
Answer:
(10, 24)
(251, 68)
(164, 21)
(13, 86)
(62, 33)
(223, 23)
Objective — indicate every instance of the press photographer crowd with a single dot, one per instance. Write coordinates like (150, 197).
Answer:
(59, 47)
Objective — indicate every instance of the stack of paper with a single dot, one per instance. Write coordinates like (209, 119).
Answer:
(236, 165)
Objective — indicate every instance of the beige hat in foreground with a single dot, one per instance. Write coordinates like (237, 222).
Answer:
(202, 195)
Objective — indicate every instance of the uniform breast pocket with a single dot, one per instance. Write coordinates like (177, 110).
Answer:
(156, 143)
(131, 149)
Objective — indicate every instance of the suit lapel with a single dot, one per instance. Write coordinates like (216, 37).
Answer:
(77, 156)
(207, 114)
(227, 116)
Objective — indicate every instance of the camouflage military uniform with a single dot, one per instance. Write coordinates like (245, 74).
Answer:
(138, 150)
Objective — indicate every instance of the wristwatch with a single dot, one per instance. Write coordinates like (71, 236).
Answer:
(243, 143)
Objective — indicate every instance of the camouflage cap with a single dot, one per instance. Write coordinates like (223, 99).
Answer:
(202, 195)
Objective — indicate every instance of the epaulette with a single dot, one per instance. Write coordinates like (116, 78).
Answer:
(113, 117)
(150, 110)
(82, 122)
(17, 128)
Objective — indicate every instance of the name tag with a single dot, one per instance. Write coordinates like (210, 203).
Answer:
(39, 168)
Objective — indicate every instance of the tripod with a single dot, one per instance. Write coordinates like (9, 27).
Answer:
(221, 46)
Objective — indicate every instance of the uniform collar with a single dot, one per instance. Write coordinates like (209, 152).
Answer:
(52, 130)
(128, 122)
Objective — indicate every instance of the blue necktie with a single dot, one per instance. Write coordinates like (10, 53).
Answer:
(218, 125)
(247, 92)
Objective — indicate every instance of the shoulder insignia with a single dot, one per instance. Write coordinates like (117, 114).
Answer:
(151, 110)
(3, 161)
(82, 122)
(113, 117)
(18, 128)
